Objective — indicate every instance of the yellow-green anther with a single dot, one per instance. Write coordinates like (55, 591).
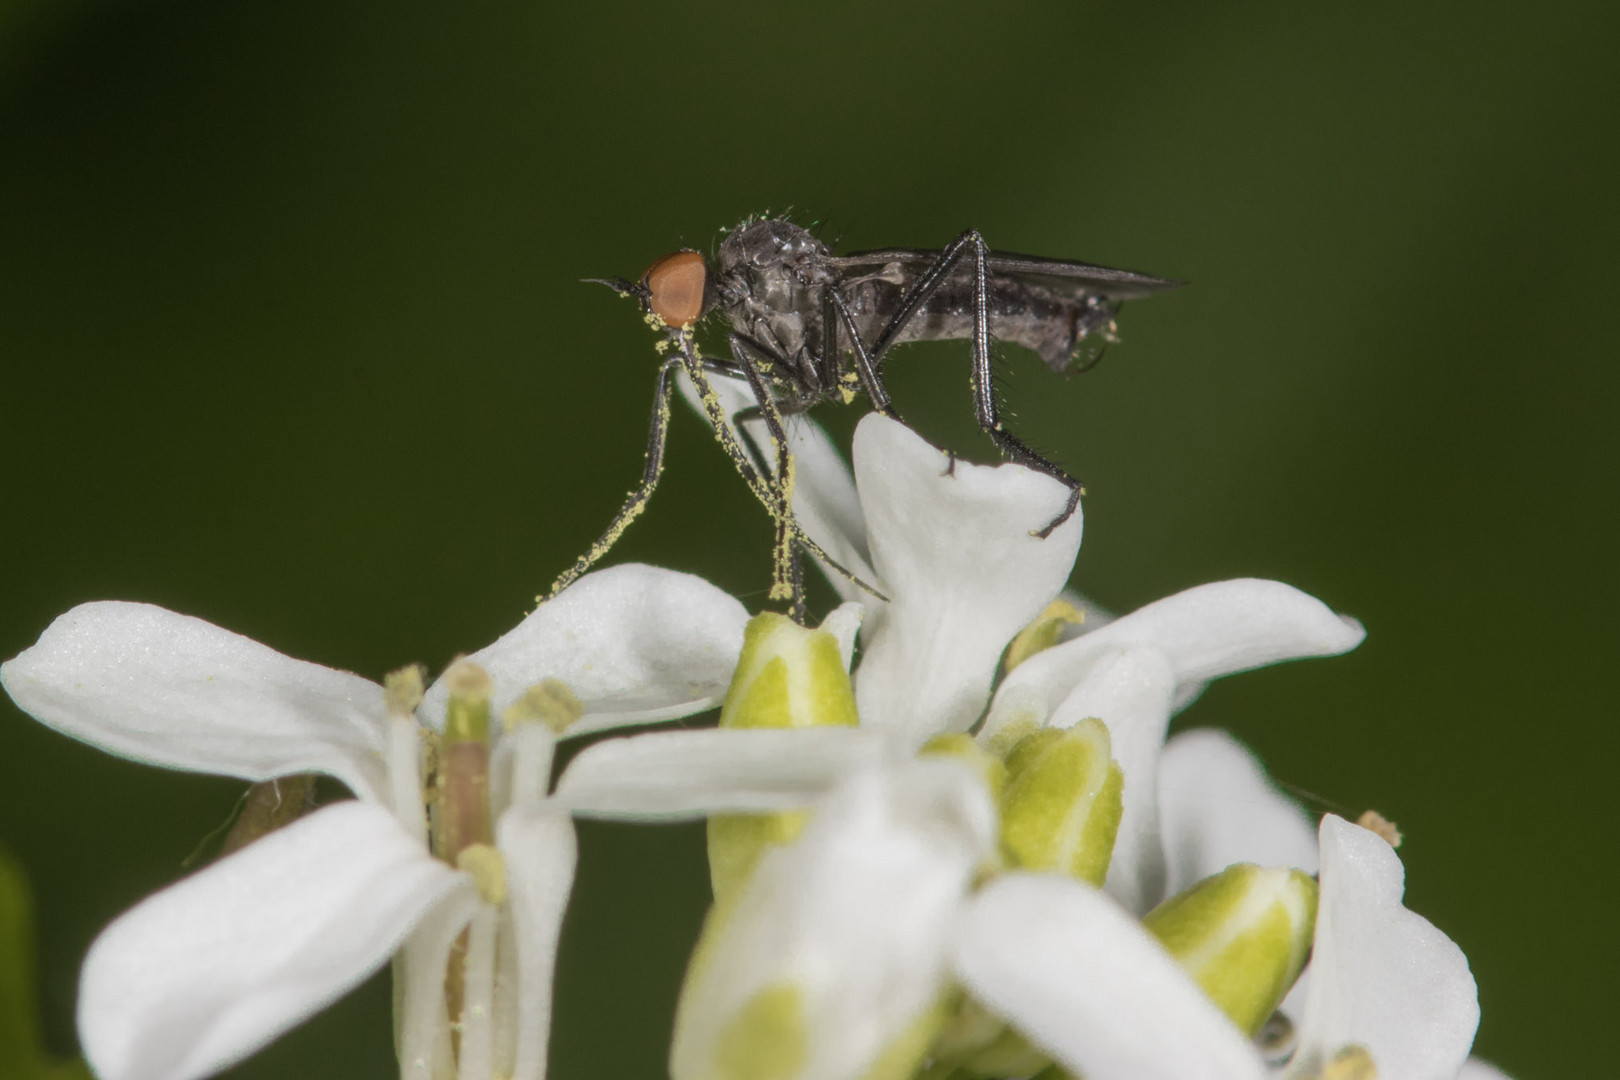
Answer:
(488, 871)
(767, 1039)
(463, 815)
(788, 676)
(1243, 935)
(1043, 633)
(1054, 1072)
(1351, 1063)
(966, 749)
(402, 690)
(549, 702)
(1063, 801)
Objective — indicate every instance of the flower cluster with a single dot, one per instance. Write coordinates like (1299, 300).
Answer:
(971, 854)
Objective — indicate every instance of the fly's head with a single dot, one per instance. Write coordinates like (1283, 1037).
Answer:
(675, 291)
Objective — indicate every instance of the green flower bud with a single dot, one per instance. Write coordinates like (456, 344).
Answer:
(1243, 935)
(1063, 800)
(1041, 634)
(788, 676)
(767, 1039)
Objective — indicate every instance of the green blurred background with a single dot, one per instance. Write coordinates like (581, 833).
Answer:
(292, 340)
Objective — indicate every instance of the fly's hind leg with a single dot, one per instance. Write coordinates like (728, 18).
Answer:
(652, 469)
(985, 406)
(988, 411)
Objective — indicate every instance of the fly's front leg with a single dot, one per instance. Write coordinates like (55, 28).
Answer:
(715, 412)
(786, 581)
(652, 468)
(791, 539)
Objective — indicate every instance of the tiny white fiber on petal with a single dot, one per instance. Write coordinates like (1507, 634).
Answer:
(1217, 807)
(636, 645)
(955, 552)
(684, 774)
(170, 690)
(1382, 977)
(200, 975)
(1084, 981)
(540, 851)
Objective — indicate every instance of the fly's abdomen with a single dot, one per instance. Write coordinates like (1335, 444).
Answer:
(1058, 327)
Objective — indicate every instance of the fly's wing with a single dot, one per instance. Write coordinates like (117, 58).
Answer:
(1066, 275)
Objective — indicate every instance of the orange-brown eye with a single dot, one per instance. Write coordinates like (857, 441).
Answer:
(675, 287)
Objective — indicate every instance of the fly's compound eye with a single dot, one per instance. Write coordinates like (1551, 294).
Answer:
(675, 287)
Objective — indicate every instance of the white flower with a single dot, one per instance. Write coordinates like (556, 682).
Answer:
(1136, 671)
(203, 973)
(1083, 981)
(840, 950)
(839, 943)
(1066, 964)
(949, 543)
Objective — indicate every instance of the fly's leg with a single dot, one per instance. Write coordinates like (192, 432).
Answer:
(866, 368)
(797, 611)
(791, 539)
(756, 479)
(786, 582)
(651, 470)
(985, 406)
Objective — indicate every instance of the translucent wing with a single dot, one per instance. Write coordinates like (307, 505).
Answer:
(1065, 275)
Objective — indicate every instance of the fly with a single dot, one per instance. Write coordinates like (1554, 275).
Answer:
(808, 326)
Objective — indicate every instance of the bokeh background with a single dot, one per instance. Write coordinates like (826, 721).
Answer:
(292, 339)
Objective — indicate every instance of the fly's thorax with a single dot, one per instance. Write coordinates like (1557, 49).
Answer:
(770, 276)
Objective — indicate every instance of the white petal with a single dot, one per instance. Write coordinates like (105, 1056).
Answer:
(1217, 807)
(955, 553)
(1205, 632)
(205, 972)
(844, 622)
(167, 689)
(635, 644)
(1084, 981)
(824, 500)
(422, 1021)
(540, 852)
(854, 916)
(1476, 1069)
(685, 774)
(1130, 690)
(1382, 977)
